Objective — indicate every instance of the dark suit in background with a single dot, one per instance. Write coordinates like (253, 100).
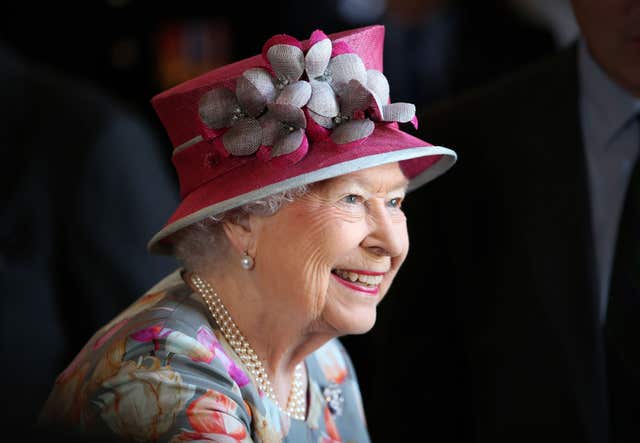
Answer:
(83, 189)
(495, 312)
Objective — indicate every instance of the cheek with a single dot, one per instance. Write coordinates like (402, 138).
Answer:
(306, 251)
(323, 247)
(313, 249)
(327, 235)
(294, 271)
(328, 243)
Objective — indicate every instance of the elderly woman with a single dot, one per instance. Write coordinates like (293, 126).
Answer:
(292, 171)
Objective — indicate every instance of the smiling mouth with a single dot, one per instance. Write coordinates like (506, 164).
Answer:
(363, 281)
(355, 277)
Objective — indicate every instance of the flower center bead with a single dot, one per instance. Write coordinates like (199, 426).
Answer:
(237, 114)
(340, 118)
(282, 83)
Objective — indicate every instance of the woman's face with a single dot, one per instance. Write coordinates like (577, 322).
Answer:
(329, 257)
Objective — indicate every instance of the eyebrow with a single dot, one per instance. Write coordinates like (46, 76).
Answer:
(401, 184)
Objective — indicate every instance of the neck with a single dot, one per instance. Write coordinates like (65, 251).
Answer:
(280, 342)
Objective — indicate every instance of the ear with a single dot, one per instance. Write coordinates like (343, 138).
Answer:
(241, 233)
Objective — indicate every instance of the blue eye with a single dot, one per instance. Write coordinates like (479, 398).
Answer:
(352, 199)
(395, 202)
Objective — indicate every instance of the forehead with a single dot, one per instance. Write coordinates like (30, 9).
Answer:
(384, 177)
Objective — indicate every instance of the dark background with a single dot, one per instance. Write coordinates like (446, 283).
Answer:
(124, 46)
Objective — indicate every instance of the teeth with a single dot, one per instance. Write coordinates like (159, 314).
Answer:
(369, 280)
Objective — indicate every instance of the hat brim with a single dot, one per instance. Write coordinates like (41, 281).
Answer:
(420, 161)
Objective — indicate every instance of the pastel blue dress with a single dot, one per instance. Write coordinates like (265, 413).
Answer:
(162, 371)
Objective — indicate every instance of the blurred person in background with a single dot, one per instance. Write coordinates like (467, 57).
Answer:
(531, 294)
(82, 188)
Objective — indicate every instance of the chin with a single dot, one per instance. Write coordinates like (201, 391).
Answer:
(363, 330)
(357, 324)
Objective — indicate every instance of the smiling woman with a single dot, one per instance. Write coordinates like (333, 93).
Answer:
(290, 231)
(343, 226)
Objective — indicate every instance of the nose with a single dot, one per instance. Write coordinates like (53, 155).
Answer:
(387, 232)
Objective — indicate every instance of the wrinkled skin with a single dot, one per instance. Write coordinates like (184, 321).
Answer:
(349, 222)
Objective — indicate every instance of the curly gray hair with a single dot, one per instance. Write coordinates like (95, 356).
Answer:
(199, 245)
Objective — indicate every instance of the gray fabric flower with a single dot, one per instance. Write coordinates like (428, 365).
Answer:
(341, 96)
(287, 62)
(356, 98)
(370, 100)
(220, 108)
(284, 123)
(343, 91)
(329, 78)
(378, 84)
(283, 127)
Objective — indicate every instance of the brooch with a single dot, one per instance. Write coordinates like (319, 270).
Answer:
(335, 399)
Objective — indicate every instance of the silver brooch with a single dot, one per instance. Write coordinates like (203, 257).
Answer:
(335, 399)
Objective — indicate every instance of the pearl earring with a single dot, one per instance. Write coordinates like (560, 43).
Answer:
(246, 261)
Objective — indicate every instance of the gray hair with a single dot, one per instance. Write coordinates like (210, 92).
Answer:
(201, 244)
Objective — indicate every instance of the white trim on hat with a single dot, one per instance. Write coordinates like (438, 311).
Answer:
(449, 157)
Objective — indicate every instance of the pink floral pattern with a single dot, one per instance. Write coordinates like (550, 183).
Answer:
(157, 373)
(208, 339)
(212, 415)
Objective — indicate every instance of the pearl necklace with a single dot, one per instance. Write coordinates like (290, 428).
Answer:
(296, 404)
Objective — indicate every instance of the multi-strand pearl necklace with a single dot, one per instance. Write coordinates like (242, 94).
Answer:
(296, 404)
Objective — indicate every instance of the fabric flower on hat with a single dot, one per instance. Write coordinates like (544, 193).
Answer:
(275, 107)
(361, 106)
(235, 115)
(284, 123)
(284, 128)
(347, 98)
(329, 77)
(355, 99)
(286, 59)
(384, 111)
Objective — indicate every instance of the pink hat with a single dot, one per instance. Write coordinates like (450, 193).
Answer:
(298, 113)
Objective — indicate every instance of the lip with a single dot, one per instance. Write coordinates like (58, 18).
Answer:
(368, 291)
(360, 271)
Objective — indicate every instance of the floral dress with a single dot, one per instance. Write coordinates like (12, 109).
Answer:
(162, 371)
